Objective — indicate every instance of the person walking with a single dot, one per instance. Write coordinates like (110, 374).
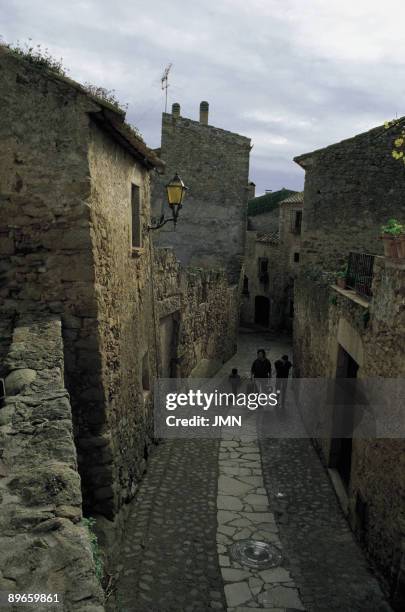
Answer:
(235, 382)
(261, 369)
(283, 367)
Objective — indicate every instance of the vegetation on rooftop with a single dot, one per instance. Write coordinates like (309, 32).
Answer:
(41, 58)
(268, 202)
(106, 95)
(133, 131)
(36, 55)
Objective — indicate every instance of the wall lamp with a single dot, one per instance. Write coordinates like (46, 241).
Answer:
(176, 190)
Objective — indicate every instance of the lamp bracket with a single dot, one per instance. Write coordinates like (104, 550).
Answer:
(162, 221)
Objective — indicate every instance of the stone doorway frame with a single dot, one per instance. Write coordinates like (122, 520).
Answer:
(348, 340)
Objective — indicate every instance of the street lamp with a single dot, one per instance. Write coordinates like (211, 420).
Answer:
(176, 190)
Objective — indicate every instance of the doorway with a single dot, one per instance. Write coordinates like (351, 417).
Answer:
(168, 346)
(343, 417)
(262, 310)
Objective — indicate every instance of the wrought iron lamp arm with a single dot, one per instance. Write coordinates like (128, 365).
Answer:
(161, 223)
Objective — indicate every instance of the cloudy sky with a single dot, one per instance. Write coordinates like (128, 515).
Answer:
(294, 75)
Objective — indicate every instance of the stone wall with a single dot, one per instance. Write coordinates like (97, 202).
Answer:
(125, 328)
(66, 181)
(65, 247)
(265, 222)
(44, 546)
(290, 240)
(205, 311)
(46, 256)
(270, 236)
(351, 189)
(263, 247)
(374, 335)
(6, 331)
(214, 164)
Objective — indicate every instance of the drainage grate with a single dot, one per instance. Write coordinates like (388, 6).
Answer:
(253, 553)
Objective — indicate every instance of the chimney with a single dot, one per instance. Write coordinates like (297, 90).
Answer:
(251, 190)
(204, 106)
(176, 110)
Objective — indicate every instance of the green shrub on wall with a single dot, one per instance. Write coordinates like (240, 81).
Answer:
(89, 524)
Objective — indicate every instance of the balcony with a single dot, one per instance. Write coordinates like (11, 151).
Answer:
(359, 275)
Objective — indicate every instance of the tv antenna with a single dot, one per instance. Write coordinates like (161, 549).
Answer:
(165, 82)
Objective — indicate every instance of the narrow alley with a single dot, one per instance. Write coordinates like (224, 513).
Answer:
(178, 524)
(164, 229)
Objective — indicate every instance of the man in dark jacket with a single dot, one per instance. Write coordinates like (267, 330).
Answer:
(261, 367)
(283, 367)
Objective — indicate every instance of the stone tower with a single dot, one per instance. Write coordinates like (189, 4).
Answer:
(214, 164)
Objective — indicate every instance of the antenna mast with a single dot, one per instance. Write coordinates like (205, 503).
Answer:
(165, 82)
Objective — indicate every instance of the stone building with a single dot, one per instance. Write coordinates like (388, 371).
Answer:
(197, 313)
(74, 241)
(263, 213)
(271, 263)
(214, 164)
(75, 245)
(351, 189)
(262, 280)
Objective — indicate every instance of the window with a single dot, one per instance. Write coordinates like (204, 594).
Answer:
(263, 270)
(136, 217)
(145, 373)
(297, 222)
(296, 257)
(263, 265)
(245, 290)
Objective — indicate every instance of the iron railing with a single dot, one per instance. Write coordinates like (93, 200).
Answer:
(359, 275)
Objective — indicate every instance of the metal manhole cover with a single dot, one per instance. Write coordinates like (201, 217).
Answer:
(254, 553)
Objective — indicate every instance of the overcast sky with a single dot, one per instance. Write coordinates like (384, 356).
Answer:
(294, 75)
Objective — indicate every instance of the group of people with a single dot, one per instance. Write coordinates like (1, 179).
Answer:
(261, 370)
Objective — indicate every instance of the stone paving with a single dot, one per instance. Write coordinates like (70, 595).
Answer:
(243, 512)
(199, 497)
(243, 507)
(324, 558)
(169, 558)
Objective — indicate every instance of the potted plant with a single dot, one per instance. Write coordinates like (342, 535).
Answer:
(341, 278)
(393, 237)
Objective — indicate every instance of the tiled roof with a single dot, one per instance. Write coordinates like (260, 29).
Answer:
(267, 202)
(267, 237)
(295, 198)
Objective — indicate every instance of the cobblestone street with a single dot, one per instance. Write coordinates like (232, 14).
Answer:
(323, 556)
(169, 561)
(200, 497)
